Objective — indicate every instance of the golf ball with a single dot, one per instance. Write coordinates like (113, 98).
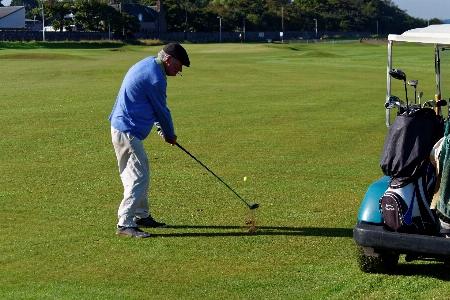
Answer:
(245, 178)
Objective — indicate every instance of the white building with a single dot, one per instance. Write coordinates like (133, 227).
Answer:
(12, 17)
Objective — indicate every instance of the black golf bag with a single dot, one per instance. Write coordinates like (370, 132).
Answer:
(408, 144)
(405, 206)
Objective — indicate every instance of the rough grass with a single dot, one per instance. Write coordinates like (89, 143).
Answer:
(304, 124)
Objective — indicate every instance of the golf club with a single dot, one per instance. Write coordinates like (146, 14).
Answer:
(252, 206)
(395, 102)
(414, 83)
(435, 104)
(430, 103)
(420, 98)
(400, 75)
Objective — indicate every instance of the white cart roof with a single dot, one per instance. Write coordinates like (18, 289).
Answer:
(433, 34)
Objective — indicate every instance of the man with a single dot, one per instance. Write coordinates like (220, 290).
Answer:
(140, 104)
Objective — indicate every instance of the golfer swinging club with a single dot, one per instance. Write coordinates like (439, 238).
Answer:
(140, 104)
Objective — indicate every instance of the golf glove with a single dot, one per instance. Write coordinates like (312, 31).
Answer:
(159, 130)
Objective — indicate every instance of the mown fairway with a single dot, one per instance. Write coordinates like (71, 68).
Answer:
(304, 124)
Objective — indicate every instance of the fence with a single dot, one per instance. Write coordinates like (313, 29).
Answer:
(197, 37)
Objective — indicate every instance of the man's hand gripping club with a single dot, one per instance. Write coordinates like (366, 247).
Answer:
(171, 141)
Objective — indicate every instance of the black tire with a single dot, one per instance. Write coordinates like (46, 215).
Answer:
(385, 263)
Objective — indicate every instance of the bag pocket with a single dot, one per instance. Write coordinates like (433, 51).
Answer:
(391, 211)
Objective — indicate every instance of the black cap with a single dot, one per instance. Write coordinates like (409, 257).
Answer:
(177, 51)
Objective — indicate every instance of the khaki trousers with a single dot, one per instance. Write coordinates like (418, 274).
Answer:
(134, 172)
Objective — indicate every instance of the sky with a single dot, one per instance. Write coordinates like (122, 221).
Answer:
(424, 9)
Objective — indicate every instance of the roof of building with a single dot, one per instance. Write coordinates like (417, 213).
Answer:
(7, 10)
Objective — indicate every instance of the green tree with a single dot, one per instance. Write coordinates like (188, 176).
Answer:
(58, 10)
(29, 6)
(97, 15)
(89, 14)
(129, 25)
(176, 13)
(297, 15)
(279, 15)
(36, 12)
(185, 7)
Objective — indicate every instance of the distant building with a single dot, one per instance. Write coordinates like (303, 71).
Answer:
(151, 18)
(12, 17)
(34, 25)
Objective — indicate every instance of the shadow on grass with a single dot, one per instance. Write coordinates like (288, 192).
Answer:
(214, 231)
(436, 270)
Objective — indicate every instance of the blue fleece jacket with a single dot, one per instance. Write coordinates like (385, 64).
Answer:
(141, 101)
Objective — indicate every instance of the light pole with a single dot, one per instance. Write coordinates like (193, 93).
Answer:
(43, 23)
(244, 29)
(220, 28)
(282, 24)
(316, 27)
(377, 27)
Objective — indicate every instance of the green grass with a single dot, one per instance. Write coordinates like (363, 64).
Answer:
(304, 123)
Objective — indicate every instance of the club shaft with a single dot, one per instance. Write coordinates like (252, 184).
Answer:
(187, 152)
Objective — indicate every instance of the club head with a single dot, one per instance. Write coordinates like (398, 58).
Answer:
(394, 102)
(430, 103)
(391, 105)
(393, 98)
(253, 206)
(398, 74)
(413, 83)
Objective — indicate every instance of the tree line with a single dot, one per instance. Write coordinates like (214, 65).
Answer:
(375, 16)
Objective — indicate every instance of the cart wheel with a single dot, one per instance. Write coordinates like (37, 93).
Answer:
(385, 262)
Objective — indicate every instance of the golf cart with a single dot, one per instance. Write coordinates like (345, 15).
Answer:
(379, 247)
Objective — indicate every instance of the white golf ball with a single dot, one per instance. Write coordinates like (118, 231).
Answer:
(245, 178)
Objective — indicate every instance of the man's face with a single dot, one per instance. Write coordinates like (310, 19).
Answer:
(172, 66)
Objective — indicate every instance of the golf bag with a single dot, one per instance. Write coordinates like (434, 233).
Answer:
(406, 208)
(408, 144)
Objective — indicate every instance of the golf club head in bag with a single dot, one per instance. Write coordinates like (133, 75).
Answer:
(436, 105)
(400, 75)
(430, 103)
(414, 84)
(395, 102)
